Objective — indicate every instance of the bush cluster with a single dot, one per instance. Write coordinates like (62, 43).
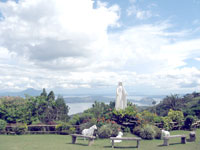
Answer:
(189, 120)
(148, 132)
(2, 125)
(65, 128)
(166, 123)
(20, 129)
(108, 130)
(176, 116)
(158, 133)
(104, 132)
(137, 130)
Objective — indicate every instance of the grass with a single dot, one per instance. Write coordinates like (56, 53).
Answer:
(63, 142)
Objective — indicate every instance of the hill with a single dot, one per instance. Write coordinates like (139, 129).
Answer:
(29, 91)
(189, 104)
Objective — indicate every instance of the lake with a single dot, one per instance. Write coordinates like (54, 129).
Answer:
(78, 107)
(77, 104)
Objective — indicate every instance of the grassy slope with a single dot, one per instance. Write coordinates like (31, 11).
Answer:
(63, 142)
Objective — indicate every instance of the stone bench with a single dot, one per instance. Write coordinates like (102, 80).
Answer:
(192, 137)
(126, 138)
(166, 139)
(90, 138)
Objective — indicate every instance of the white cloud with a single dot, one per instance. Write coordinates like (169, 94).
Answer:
(198, 59)
(140, 14)
(55, 30)
(131, 10)
(66, 45)
(143, 14)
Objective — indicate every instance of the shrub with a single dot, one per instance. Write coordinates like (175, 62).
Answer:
(65, 128)
(36, 122)
(104, 132)
(147, 132)
(129, 115)
(2, 125)
(166, 123)
(20, 129)
(108, 130)
(126, 129)
(75, 120)
(158, 133)
(189, 120)
(115, 128)
(148, 116)
(36, 128)
(71, 130)
(137, 130)
(87, 124)
(157, 119)
(85, 117)
(176, 116)
(59, 127)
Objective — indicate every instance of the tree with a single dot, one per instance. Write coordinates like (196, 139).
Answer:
(98, 109)
(173, 102)
(154, 102)
(44, 93)
(51, 96)
(14, 109)
(61, 109)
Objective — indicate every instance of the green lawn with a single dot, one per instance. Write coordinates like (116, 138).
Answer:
(63, 142)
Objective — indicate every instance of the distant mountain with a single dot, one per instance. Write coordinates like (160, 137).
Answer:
(29, 91)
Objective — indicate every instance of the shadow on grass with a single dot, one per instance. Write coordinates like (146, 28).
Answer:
(121, 147)
(169, 144)
(78, 144)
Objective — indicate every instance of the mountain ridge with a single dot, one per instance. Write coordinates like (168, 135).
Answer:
(28, 91)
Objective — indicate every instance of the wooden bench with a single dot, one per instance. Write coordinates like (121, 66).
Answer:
(90, 138)
(166, 139)
(126, 138)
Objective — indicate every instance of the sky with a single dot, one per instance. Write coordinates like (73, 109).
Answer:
(88, 46)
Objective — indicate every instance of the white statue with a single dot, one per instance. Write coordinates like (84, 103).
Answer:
(120, 134)
(90, 131)
(164, 133)
(121, 101)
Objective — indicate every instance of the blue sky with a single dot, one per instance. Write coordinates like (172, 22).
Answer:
(86, 47)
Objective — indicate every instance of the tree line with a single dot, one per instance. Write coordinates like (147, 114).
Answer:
(44, 108)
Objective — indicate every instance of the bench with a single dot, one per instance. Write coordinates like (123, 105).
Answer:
(192, 136)
(126, 138)
(90, 138)
(166, 139)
